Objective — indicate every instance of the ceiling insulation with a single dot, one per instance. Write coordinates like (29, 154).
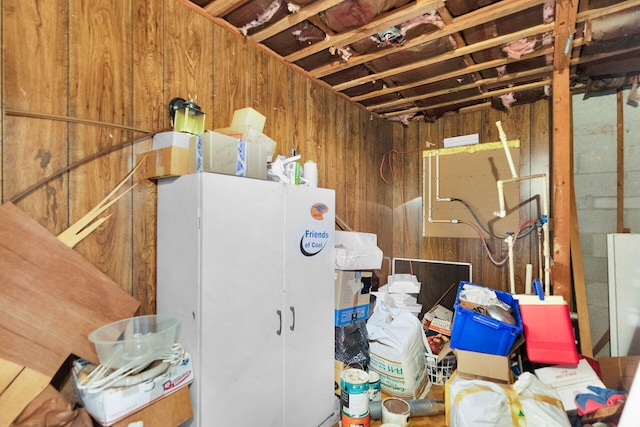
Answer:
(411, 59)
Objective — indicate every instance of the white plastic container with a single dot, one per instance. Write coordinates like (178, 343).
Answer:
(136, 340)
(247, 116)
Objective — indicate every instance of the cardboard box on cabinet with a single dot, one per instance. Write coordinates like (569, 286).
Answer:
(230, 155)
(168, 157)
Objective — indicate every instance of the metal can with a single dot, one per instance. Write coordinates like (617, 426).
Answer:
(375, 393)
(354, 392)
(348, 421)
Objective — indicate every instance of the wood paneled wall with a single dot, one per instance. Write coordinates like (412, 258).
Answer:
(530, 124)
(83, 76)
(101, 73)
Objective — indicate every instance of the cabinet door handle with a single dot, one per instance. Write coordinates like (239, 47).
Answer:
(279, 331)
(293, 321)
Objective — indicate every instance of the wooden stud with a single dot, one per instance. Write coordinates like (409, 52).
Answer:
(580, 291)
(562, 175)
(620, 164)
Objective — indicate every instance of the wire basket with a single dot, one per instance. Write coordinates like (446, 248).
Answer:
(439, 372)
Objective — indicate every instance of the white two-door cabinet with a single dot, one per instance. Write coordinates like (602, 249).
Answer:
(247, 265)
(624, 293)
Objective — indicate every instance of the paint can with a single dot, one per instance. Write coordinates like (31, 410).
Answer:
(374, 386)
(354, 392)
(348, 421)
(395, 411)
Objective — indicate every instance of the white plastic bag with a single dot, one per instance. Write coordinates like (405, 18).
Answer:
(397, 346)
(527, 403)
(357, 251)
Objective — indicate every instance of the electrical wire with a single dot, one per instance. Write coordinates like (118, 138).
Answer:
(147, 134)
(483, 226)
(389, 158)
(528, 226)
(486, 246)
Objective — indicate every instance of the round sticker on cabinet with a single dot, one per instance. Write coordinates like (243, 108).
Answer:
(318, 210)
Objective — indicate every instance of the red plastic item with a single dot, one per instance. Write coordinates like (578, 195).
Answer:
(548, 330)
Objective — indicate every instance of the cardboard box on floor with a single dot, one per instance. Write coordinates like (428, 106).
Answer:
(569, 381)
(171, 410)
(484, 366)
(617, 372)
(114, 404)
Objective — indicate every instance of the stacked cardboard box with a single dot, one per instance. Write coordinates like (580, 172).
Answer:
(353, 296)
(240, 149)
(356, 257)
(401, 291)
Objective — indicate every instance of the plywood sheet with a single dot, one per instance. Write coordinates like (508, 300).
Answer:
(51, 297)
(470, 174)
(18, 386)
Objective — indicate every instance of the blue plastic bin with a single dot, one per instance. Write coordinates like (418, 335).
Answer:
(481, 333)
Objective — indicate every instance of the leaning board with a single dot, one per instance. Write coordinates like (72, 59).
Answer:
(51, 297)
(18, 386)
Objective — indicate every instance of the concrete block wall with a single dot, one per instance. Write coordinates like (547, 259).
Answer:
(594, 167)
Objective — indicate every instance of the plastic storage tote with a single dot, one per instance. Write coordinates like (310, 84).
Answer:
(479, 332)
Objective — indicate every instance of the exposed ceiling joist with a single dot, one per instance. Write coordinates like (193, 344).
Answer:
(489, 94)
(457, 53)
(454, 74)
(222, 7)
(386, 21)
(465, 50)
(543, 72)
(294, 18)
(470, 20)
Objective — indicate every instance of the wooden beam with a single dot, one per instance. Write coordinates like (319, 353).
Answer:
(608, 10)
(471, 19)
(471, 98)
(566, 14)
(222, 7)
(450, 75)
(580, 289)
(294, 18)
(620, 163)
(507, 78)
(604, 340)
(566, 11)
(392, 19)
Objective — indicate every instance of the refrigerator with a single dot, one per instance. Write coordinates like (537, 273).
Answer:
(247, 265)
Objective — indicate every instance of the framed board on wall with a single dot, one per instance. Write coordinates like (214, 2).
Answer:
(458, 179)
